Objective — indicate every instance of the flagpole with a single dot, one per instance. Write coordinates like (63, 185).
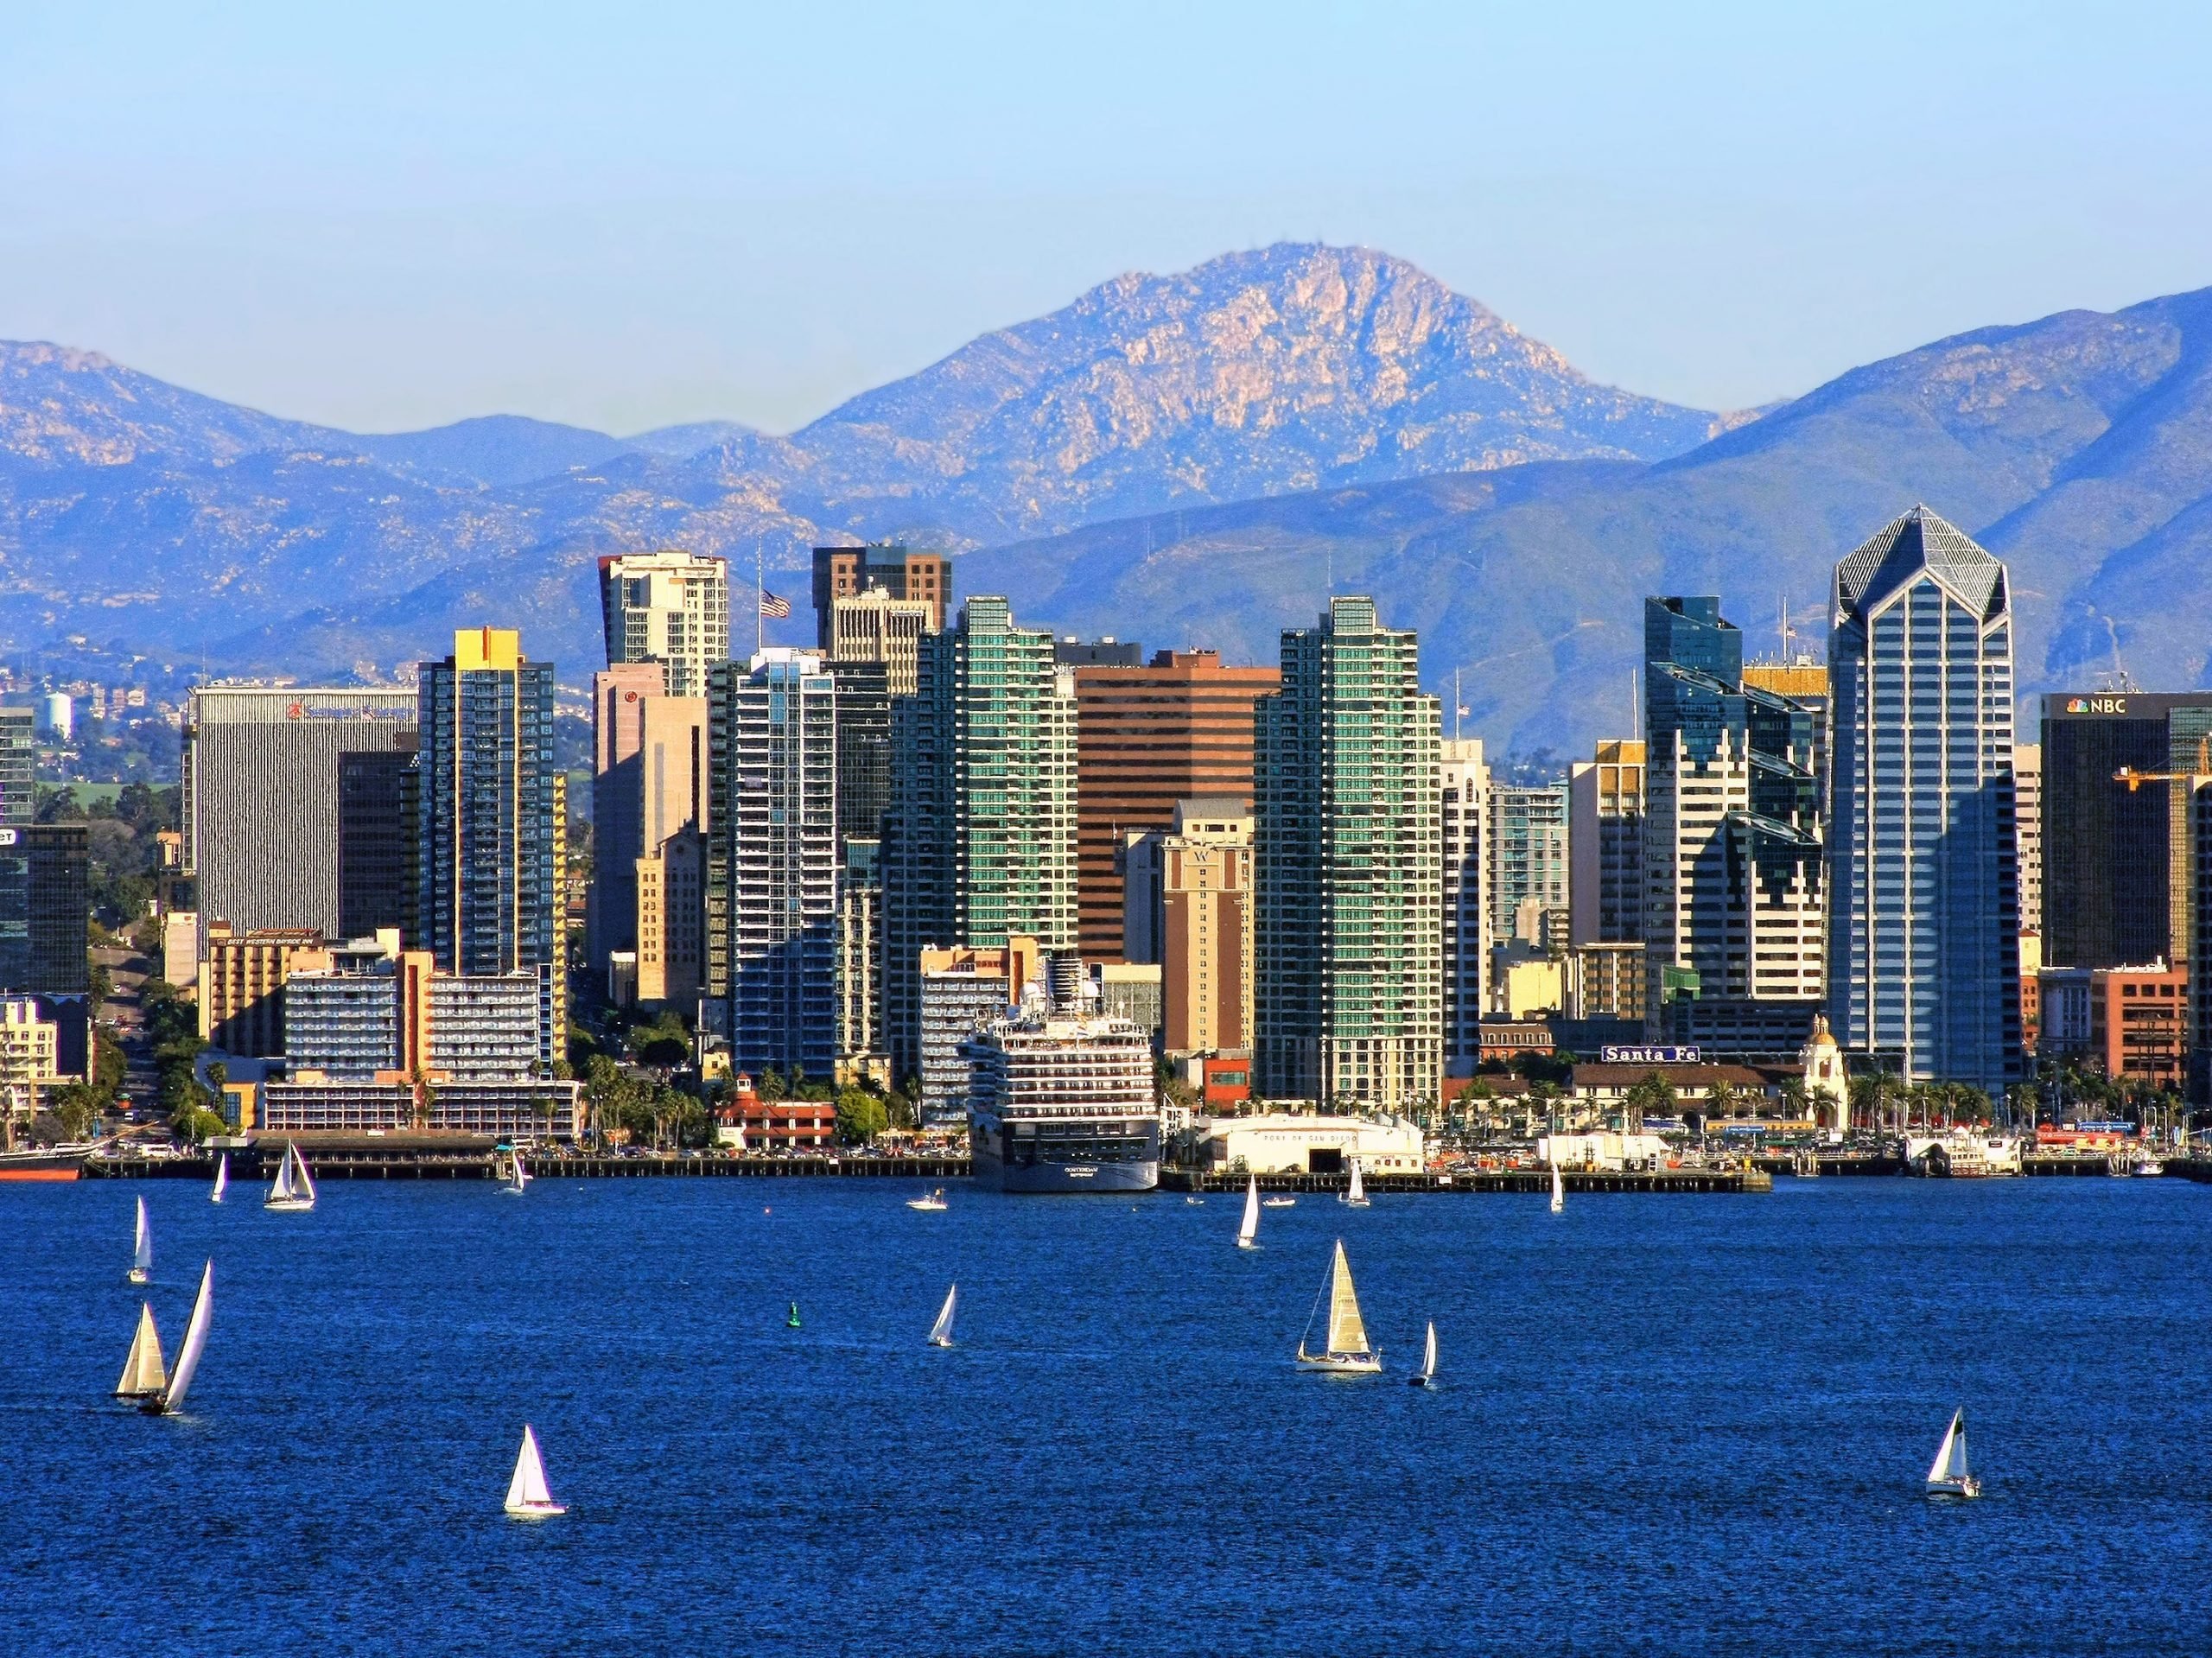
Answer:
(760, 602)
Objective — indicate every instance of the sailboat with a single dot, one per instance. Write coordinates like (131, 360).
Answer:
(517, 1179)
(141, 1249)
(1948, 1475)
(222, 1178)
(1426, 1376)
(143, 1372)
(1355, 1195)
(1248, 1232)
(941, 1331)
(1559, 1191)
(1346, 1352)
(158, 1392)
(527, 1496)
(931, 1201)
(295, 1187)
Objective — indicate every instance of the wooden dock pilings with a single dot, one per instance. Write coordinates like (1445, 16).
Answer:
(1525, 1181)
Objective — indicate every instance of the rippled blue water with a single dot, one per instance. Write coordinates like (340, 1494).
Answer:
(1669, 1425)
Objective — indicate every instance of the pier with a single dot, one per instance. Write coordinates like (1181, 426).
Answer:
(1524, 1181)
(477, 1157)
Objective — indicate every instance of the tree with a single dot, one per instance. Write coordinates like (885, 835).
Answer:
(860, 1116)
(1653, 1095)
(772, 1085)
(76, 1106)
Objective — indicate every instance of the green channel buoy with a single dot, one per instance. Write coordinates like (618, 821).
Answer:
(793, 1321)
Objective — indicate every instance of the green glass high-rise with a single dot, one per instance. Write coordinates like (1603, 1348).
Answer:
(1349, 869)
(980, 841)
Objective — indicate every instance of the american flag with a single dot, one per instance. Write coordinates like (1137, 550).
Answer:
(774, 608)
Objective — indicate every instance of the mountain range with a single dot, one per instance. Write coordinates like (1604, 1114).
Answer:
(1194, 460)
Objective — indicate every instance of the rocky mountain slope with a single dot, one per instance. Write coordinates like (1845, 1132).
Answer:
(2078, 448)
(133, 510)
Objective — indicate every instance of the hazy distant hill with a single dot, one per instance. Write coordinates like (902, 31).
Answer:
(132, 510)
(1188, 460)
(2079, 447)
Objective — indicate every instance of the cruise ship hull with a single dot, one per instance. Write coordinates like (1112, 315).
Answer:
(1054, 1165)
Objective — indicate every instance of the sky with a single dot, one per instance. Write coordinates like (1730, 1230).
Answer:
(392, 217)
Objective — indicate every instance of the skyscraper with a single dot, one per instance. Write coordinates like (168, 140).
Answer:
(379, 815)
(649, 808)
(2027, 829)
(60, 908)
(667, 608)
(1147, 737)
(2116, 883)
(1923, 946)
(1465, 825)
(489, 896)
(18, 763)
(261, 796)
(1733, 856)
(1350, 871)
(1528, 856)
(1606, 846)
(898, 572)
(772, 880)
(979, 843)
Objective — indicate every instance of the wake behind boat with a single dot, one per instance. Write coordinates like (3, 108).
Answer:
(294, 1188)
(1345, 1352)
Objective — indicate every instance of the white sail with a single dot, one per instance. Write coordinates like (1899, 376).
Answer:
(1347, 1331)
(941, 1331)
(142, 1372)
(1950, 1464)
(305, 1180)
(281, 1190)
(1559, 1191)
(1357, 1193)
(1429, 1354)
(195, 1341)
(222, 1178)
(1248, 1234)
(527, 1491)
(142, 1253)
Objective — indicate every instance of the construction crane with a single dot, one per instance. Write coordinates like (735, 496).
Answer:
(2135, 779)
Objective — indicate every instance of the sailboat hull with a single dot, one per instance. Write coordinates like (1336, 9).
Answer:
(289, 1204)
(1968, 1487)
(535, 1510)
(138, 1275)
(1343, 1364)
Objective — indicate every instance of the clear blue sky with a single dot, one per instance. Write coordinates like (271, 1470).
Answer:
(630, 216)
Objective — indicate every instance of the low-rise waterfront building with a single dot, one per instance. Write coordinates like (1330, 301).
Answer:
(1276, 1141)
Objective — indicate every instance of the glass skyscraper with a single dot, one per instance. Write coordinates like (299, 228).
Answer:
(1349, 868)
(1923, 945)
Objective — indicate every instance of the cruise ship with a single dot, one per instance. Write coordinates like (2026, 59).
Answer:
(1063, 1101)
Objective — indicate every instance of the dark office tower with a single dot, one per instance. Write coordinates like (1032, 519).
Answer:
(17, 760)
(2118, 886)
(2199, 798)
(59, 907)
(261, 796)
(863, 746)
(888, 568)
(1732, 853)
(379, 858)
(1923, 939)
(489, 896)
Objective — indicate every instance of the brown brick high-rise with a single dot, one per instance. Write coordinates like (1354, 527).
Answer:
(1180, 725)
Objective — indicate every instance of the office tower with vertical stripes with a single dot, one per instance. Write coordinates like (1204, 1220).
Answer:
(1349, 871)
(772, 864)
(979, 843)
(1464, 824)
(1923, 942)
(489, 897)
